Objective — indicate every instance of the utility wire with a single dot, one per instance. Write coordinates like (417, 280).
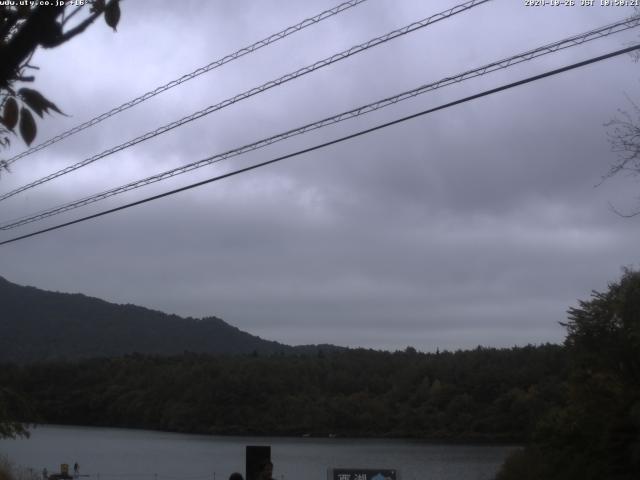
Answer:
(254, 91)
(491, 67)
(185, 78)
(333, 142)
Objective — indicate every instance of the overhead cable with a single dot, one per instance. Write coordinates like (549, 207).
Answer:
(371, 107)
(185, 78)
(332, 142)
(254, 91)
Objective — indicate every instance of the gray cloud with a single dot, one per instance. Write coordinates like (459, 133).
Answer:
(479, 224)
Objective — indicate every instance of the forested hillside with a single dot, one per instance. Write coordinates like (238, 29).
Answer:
(38, 325)
(482, 394)
(595, 433)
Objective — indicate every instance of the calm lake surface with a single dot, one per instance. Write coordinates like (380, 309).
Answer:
(119, 454)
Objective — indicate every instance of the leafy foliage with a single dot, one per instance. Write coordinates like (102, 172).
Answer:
(27, 126)
(112, 14)
(25, 26)
(37, 102)
(10, 114)
(482, 394)
(597, 434)
(14, 409)
(10, 471)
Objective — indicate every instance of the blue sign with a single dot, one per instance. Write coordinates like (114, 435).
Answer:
(363, 474)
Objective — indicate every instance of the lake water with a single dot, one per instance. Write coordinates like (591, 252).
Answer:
(119, 454)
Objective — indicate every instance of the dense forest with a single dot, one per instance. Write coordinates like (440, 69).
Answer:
(575, 406)
(595, 433)
(482, 394)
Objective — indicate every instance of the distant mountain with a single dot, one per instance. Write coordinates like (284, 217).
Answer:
(39, 325)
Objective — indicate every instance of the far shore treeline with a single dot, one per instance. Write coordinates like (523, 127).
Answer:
(476, 395)
(575, 406)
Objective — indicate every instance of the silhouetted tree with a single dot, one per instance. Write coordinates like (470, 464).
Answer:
(14, 410)
(24, 28)
(624, 137)
(597, 433)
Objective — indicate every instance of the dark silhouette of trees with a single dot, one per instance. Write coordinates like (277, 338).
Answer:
(14, 410)
(24, 28)
(596, 434)
(475, 395)
(624, 138)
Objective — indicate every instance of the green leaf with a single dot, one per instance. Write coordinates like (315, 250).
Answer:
(112, 13)
(28, 127)
(37, 102)
(10, 114)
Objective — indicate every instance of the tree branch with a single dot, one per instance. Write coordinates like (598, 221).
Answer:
(81, 27)
(11, 20)
(623, 215)
(36, 29)
(70, 16)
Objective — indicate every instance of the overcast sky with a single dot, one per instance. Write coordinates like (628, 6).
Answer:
(478, 224)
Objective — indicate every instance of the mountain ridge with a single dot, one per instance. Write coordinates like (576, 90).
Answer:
(41, 325)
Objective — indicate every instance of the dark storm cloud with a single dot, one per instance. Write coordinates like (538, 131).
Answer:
(479, 224)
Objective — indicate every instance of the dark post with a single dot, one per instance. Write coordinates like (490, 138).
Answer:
(255, 457)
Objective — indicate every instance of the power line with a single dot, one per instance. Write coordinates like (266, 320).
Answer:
(332, 142)
(256, 90)
(185, 78)
(574, 40)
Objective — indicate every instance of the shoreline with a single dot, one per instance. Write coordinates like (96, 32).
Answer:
(444, 440)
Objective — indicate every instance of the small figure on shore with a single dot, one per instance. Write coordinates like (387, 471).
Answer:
(236, 476)
(45, 473)
(266, 471)
(76, 470)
